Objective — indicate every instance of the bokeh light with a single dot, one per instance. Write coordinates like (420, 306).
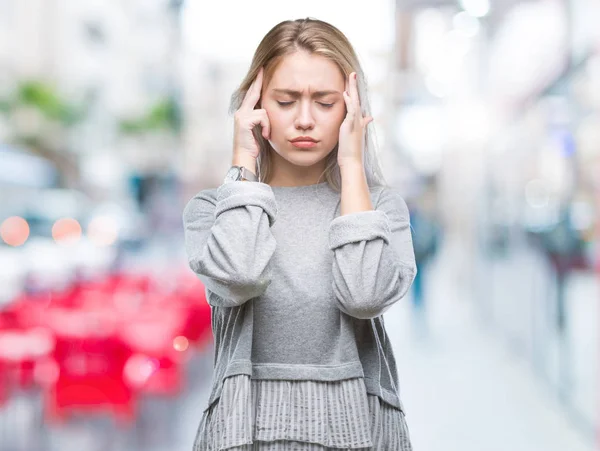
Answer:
(66, 230)
(14, 231)
(102, 231)
(180, 343)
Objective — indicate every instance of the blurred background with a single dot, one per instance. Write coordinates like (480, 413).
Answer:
(113, 114)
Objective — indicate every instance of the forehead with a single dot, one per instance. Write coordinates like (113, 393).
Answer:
(302, 70)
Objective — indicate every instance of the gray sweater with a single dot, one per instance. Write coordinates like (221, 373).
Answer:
(296, 290)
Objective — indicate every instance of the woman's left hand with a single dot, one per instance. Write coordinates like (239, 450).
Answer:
(352, 130)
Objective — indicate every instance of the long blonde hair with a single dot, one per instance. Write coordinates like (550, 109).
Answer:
(319, 38)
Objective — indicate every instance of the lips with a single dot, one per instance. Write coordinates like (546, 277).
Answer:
(304, 139)
(304, 142)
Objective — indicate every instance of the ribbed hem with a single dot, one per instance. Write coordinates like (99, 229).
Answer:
(272, 415)
(359, 226)
(325, 373)
(303, 372)
(242, 194)
(294, 371)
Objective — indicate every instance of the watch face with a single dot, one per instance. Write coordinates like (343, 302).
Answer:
(232, 175)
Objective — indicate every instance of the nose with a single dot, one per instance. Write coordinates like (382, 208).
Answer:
(304, 119)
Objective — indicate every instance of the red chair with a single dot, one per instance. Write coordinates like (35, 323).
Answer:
(197, 327)
(160, 351)
(192, 296)
(20, 351)
(90, 361)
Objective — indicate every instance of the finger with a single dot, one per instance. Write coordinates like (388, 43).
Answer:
(255, 90)
(253, 93)
(354, 90)
(350, 110)
(353, 98)
(261, 117)
(266, 126)
(345, 92)
(367, 120)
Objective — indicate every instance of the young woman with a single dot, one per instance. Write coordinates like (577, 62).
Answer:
(301, 250)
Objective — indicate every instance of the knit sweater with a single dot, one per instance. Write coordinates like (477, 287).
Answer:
(297, 291)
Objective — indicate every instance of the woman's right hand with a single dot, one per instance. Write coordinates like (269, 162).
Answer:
(246, 118)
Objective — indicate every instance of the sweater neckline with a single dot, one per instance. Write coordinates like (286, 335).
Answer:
(300, 187)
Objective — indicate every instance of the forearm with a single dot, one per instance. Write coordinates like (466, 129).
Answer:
(228, 239)
(355, 194)
(373, 258)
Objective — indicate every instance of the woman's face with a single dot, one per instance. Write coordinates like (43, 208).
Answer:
(304, 99)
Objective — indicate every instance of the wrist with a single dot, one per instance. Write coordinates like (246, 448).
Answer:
(352, 172)
(248, 161)
(351, 166)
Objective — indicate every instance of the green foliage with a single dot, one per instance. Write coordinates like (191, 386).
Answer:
(44, 98)
(163, 115)
(4, 106)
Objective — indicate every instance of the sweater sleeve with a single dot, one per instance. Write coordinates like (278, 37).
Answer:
(373, 257)
(228, 240)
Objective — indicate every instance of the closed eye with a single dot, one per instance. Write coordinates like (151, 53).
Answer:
(326, 105)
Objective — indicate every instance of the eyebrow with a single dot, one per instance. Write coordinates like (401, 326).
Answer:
(293, 93)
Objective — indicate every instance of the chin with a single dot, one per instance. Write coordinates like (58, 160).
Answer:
(301, 157)
(304, 157)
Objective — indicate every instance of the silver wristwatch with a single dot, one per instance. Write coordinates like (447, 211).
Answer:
(236, 173)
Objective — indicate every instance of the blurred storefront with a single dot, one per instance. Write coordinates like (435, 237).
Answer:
(538, 223)
(499, 102)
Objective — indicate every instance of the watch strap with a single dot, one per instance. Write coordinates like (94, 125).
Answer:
(247, 175)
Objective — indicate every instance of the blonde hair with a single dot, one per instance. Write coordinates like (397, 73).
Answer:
(318, 38)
